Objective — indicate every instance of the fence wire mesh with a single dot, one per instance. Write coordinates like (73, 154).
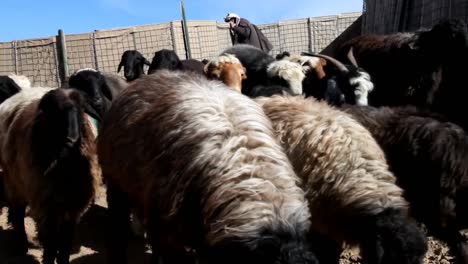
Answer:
(7, 58)
(37, 59)
(102, 49)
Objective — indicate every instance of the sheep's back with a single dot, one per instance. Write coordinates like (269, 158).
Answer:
(421, 147)
(340, 163)
(194, 143)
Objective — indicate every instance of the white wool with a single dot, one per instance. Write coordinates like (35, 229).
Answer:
(289, 71)
(225, 58)
(22, 81)
(84, 69)
(363, 85)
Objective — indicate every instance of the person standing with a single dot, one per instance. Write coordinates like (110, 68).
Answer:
(244, 32)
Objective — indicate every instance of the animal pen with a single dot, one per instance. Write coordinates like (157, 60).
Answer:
(45, 61)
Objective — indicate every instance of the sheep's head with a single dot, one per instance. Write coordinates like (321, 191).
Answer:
(286, 73)
(92, 85)
(228, 69)
(269, 248)
(165, 59)
(133, 62)
(353, 82)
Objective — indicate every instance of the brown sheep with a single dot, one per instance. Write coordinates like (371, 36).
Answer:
(50, 164)
(228, 69)
(205, 172)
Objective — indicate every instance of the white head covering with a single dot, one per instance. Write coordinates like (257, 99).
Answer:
(229, 16)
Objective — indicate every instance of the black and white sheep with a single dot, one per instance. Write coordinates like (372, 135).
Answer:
(50, 165)
(420, 68)
(205, 171)
(328, 79)
(352, 195)
(12, 84)
(429, 158)
(265, 75)
(351, 81)
(133, 63)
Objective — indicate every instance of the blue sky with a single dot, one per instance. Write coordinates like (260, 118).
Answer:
(23, 19)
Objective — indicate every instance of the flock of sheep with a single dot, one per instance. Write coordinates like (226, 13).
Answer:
(248, 158)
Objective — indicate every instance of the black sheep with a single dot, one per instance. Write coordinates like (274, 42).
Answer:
(133, 63)
(429, 158)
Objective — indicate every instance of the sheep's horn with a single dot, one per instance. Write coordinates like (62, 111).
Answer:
(341, 67)
(351, 57)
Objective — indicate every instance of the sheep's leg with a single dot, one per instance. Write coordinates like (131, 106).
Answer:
(48, 233)
(119, 226)
(16, 216)
(162, 243)
(326, 250)
(66, 242)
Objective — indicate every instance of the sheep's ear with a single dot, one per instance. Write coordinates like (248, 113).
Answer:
(120, 67)
(106, 91)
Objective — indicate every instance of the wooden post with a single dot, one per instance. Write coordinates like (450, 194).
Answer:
(63, 55)
(185, 31)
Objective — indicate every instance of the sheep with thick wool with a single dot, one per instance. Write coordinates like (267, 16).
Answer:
(50, 162)
(429, 158)
(205, 171)
(352, 195)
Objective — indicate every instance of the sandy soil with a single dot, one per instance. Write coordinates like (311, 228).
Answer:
(89, 246)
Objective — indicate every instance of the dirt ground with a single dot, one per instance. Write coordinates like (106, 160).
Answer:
(89, 246)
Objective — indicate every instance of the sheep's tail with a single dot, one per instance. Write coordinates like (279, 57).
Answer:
(392, 237)
(57, 128)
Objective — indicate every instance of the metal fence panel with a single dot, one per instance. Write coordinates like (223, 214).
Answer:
(80, 52)
(179, 39)
(224, 37)
(294, 35)
(203, 37)
(272, 32)
(324, 31)
(7, 58)
(151, 38)
(37, 59)
(109, 46)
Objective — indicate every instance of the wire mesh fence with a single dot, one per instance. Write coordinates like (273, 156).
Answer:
(102, 49)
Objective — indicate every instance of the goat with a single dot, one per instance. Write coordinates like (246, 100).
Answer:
(205, 171)
(133, 63)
